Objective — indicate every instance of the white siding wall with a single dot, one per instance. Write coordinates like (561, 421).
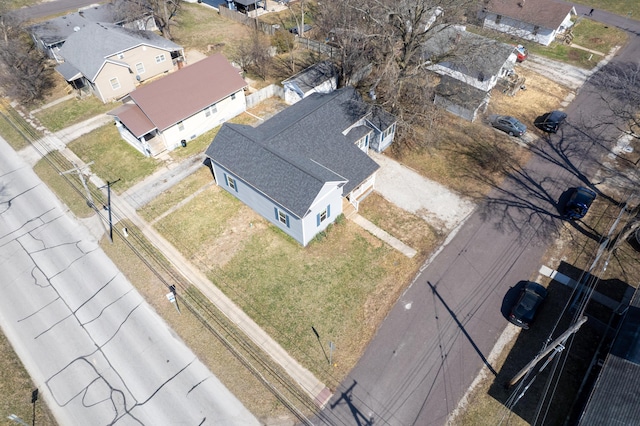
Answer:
(199, 123)
(520, 29)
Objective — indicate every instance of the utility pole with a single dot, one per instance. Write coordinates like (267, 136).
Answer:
(108, 207)
(559, 341)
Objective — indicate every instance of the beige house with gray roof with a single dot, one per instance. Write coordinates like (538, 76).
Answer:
(110, 61)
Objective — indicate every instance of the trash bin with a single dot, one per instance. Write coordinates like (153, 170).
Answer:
(183, 142)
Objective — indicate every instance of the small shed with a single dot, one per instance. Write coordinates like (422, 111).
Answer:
(318, 78)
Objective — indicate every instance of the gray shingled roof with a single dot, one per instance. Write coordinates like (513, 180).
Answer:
(615, 399)
(468, 53)
(543, 13)
(88, 48)
(291, 156)
(460, 93)
(313, 76)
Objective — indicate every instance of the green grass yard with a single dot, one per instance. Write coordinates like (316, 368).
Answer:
(113, 158)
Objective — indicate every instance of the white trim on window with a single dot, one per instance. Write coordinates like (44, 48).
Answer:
(140, 68)
(160, 58)
(115, 83)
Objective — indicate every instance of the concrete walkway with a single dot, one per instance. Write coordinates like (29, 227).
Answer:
(122, 209)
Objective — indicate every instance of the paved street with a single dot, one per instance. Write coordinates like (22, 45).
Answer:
(440, 333)
(94, 348)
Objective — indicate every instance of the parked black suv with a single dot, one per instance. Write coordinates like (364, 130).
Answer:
(551, 121)
(579, 202)
(524, 310)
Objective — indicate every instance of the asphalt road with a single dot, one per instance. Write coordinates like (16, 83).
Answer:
(95, 349)
(440, 333)
(52, 8)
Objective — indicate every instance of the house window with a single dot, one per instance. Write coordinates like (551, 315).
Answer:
(140, 68)
(281, 216)
(323, 215)
(160, 58)
(120, 55)
(210, 110)
(181, 126)
(498, 19)
(231, 182)
(115, 84)
(233, 96)
(390, 130)
(363, 143)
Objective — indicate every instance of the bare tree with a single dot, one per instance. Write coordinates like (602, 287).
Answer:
(24, 73)
(252, 54)
(162, 11)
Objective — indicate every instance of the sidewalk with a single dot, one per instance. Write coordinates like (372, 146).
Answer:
(122, 208)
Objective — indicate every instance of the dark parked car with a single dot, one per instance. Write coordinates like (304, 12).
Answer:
(524, 310)
(551, 121)
(508, 124)
(579, 202)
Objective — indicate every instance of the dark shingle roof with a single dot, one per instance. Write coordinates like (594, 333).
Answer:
(313, 76)
(460, 93)
(291, 156)
(543, 13)
(472, 54)
(88, 48)
(615, 398)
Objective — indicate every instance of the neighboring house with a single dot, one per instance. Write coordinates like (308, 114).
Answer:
(175, 109)
(111, 61)
(49, 36)
(296, 168)
(471, 58)
(615, 396)
(318, 78)
(535, 20)
(460, 98)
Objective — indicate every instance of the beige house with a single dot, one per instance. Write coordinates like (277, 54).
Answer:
(110, 61)
(169, 112)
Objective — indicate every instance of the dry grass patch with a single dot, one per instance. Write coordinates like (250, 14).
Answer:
(542, 95)
(203, 29)
(235, 376)
(343, 283)
(407, 227)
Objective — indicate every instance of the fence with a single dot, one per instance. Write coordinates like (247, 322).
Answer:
(244, 19)
(262, 94)
(319, 47)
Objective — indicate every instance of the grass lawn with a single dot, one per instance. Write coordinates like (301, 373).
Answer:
(202, 28)
(342, 284)
(597, 36)
(62, 185)
(16, 387)
(628, 8)
(113, 158)
(10, 133)
(72, 111)
(209, 349)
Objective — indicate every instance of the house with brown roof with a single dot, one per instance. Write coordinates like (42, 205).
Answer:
(169, 112)
(535, 20)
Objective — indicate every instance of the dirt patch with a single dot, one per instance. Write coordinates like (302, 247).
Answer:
(541, 95)
(238, 230)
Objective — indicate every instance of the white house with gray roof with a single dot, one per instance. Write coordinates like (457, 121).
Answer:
(111, 60)
(471, 58)
(298, 167)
